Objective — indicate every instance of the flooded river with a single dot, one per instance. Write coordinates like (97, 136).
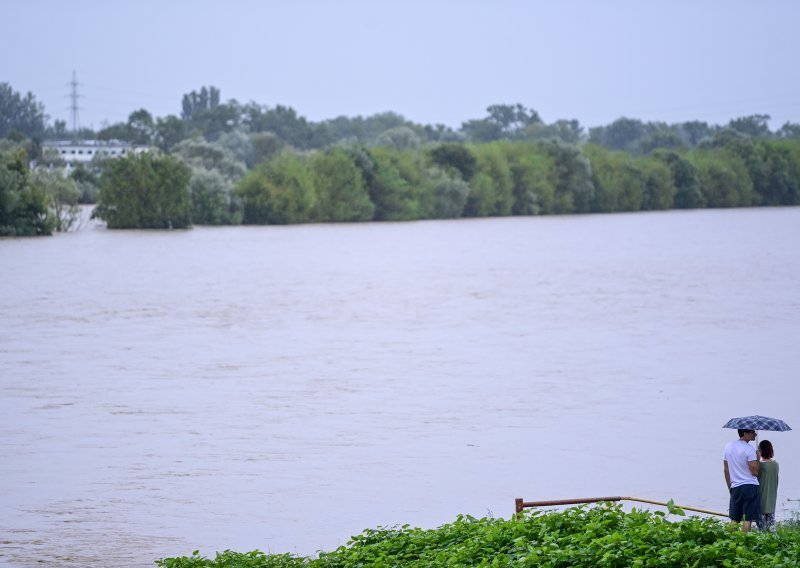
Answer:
(284, 388)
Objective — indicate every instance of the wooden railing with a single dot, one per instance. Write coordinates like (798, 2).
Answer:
(520, 504)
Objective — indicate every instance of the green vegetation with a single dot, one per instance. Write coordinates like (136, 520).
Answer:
(33, 203)
(452, 180)
(145, 191)
(20, 115)
(580, 536)
(259, 165)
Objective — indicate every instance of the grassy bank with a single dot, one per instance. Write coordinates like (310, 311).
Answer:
(597, 536)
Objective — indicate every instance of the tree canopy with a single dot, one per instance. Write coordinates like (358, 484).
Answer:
(145, 191)
(223, 162)
(19, 114)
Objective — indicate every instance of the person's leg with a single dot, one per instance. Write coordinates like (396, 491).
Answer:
(751, 504)
(735, 507)
(763, 522)
(769, 521)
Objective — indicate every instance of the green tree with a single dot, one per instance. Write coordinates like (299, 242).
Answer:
(618, 184)
(198, 153)
(169, 131)
(24, 206)
(753, 126)
(503, 121)
(87, 181)
(22, 114)
(623, 134)
(145, 191)
(62, 198)
(56, 131)
(239, 143)
(694, 132)
(198, 101)
(399, 137)
(116, 131)
(454, 157)
(50, 157)
(758, 159)
(688, 194)
(278, 191)
(340, 191)
(213, 199)
(394, 183)
(566, 131)
(723, 178)
(481, 130)
(779, 184)
(287, 125)
(572, 177)
(659, 187)
(350, 130)
(215, 121)
(265, 146)
(365, 130)
(491, 188)
(141, 128)
(789, 130)
(442, 133)
(790, 151)
(448, 191)
(532, 173)
(660, 136)
(512, 118)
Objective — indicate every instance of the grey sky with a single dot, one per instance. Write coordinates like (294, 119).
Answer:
(433, 61)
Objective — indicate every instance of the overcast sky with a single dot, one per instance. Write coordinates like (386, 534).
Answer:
(432, 61)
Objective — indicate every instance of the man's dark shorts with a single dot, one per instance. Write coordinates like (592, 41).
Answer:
(745, 500)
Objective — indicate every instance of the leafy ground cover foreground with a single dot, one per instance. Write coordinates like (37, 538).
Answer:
(597, 536)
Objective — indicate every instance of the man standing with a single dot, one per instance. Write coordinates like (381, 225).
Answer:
(741, 474)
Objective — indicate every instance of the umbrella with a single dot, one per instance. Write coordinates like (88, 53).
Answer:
(757, 422)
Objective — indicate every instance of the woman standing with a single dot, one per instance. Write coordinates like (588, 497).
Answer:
(768, 485)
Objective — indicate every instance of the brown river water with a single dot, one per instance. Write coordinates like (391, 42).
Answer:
(284, 388)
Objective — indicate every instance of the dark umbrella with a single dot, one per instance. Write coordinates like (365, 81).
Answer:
(757, 422)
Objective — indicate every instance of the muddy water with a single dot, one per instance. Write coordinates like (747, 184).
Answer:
(284, 388)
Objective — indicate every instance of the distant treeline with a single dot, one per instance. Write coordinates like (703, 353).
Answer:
(444, 181)
(204, 115)
(226, 163)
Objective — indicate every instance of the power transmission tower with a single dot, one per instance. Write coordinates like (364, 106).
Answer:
(74, 108)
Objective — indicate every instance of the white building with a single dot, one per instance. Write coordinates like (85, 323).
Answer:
(84, 151)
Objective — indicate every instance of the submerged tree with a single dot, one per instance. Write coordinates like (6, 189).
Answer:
(213, 199)
(278, 191)
(572, 178)
(145, 191)
(63, 196)
(449, 193)
(24, 205)
(339, 188)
